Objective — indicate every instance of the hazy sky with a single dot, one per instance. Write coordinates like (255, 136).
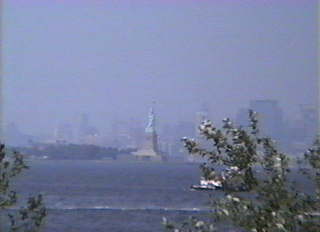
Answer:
(110, 59)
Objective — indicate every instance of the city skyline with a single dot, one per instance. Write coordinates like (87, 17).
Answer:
(131, 133)
(110, 63)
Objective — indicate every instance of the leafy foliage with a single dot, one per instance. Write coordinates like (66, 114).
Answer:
(28, 219)
(259, 192)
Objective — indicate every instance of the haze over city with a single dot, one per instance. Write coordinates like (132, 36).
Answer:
(111, 59)
(106, 103)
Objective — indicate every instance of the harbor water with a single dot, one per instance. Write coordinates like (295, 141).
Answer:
(83, 196)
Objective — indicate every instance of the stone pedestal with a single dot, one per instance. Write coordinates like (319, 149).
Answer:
(149, 150)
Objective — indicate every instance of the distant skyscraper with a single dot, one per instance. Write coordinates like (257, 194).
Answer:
(270, 117)
(309, 120)
(200, 117)
(64, 133)
(126, 134)
(84, 124)
(87, 134)
(242, 117)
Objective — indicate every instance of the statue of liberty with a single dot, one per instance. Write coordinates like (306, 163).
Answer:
(151, 121)
(149, 149)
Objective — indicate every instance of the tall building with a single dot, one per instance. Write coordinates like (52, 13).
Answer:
(309, 120)
(270, 117)
(242, 117)
(84, 125)
(88, 134)
(172, 135)
(126, 134)
(64, 133)
(201, 116)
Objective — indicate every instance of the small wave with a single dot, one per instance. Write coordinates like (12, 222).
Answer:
(131, 209)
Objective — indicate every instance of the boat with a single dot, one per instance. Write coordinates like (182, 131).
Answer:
(207, 185)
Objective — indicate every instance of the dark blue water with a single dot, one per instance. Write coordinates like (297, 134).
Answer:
(113, 196)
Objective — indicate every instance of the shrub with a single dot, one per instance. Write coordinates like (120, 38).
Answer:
(260, 193)
(26, 219)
